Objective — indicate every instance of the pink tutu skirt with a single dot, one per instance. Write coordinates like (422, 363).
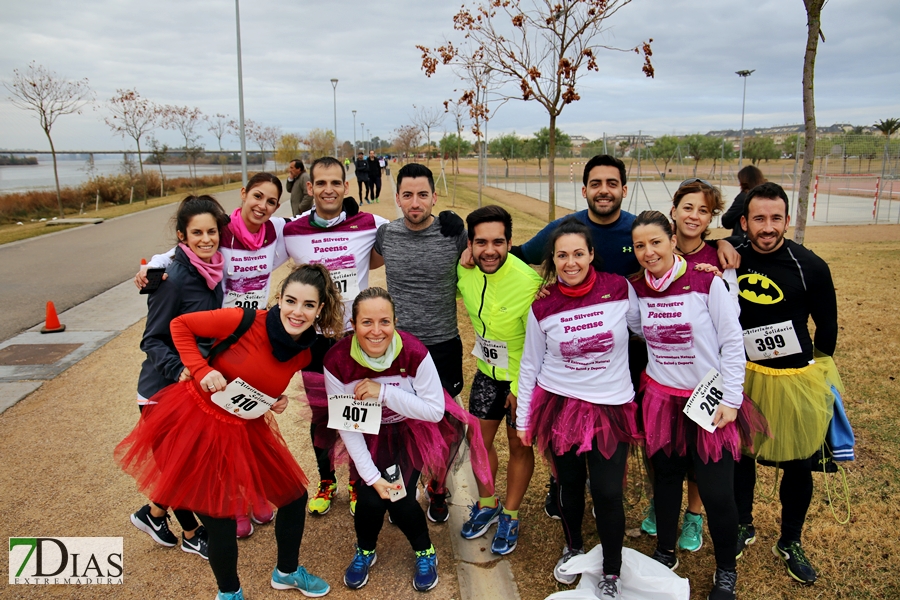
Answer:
(558, 424)
(430, 448)
(667, 428)
(186, 452)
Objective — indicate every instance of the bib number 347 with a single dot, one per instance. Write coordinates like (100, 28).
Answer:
(702, 405)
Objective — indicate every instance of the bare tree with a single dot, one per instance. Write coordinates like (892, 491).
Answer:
(49, 96)
(221, 125)
(540, 48)
(132, 116)
(427, 118)
(813, 32)
(270, 136)
(406, 139)
(184, 120)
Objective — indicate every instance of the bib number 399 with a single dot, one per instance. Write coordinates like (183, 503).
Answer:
(349, 414)
(702, 405)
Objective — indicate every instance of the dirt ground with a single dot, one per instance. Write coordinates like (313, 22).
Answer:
(58, 478)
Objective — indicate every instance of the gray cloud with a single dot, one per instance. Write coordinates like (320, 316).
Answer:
(184, 53)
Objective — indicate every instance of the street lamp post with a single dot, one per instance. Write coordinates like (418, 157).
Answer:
(241, 133)
(744, 75)
(354, 135)
(362, 134)
(334, 83)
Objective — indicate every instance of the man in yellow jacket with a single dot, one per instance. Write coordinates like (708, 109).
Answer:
(497, 295)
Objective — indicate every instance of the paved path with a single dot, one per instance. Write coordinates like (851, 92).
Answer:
(71, 266)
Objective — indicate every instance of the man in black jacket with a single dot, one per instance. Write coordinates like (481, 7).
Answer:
(374, 168)
(362, 177)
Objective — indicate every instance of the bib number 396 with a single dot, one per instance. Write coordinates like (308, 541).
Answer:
(241, 399)
(492, 352)
(702, 405)
(349, 414)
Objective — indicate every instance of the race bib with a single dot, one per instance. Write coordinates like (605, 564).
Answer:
(256, 299)
(771, 341)
(241, 399)
(701, 406)
(349, 414)
(347, 283)
(492, 352)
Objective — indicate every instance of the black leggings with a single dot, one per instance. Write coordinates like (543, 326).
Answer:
(795, 494)
(223, 549)
(185, 517)
(320, 347)
(716, 491)
(406, 514)
(606, 491)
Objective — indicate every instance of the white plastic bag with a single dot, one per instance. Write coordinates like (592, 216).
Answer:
(642, 578)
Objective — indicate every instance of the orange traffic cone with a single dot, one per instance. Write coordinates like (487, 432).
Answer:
(52, 325)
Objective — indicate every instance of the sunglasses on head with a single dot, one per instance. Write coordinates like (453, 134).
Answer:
(694, 180)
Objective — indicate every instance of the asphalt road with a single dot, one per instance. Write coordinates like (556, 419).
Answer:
(71, 266)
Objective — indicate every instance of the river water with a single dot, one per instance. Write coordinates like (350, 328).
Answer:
(21, 178)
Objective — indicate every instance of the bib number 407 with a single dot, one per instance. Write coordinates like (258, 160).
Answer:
(355, 413)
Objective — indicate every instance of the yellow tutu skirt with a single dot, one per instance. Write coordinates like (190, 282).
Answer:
(798, 404)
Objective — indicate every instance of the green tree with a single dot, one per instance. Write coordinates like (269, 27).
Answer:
(454, 146)
(697, 147)
(664, 148)
(789, 146)
(760, 148)
(507, 147)
(719, 149)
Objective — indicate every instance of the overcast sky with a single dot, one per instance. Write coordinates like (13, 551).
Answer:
(183, 52)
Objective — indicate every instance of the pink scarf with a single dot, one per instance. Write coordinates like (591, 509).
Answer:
(662, 284)
(210, 271)
(252, 241)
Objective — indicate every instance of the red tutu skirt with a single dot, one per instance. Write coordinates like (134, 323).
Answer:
(559, 423)
(186, 452)
(667, 428)
(430, 448)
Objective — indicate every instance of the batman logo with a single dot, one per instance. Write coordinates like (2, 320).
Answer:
(759, 289)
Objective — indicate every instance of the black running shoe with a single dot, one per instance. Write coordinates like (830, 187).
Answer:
(669, 561)
(199, 544)
(158, 529)
(796, 562)
(550, 508)
(746, 536)
(437, 505)
(724, 583)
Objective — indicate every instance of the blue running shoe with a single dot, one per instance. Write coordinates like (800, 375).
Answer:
(479, 520)
(507, 535)
(238, 595)
(426, 576)
(308, 584)
(357, 574)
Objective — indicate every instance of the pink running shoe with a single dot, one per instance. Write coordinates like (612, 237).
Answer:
(244, 526)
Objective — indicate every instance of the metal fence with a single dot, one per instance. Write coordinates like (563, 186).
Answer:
(856, 177)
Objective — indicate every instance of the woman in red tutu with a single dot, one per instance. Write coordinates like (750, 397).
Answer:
(691, 326)
(221, 455)
(394, 371)
(576, 399)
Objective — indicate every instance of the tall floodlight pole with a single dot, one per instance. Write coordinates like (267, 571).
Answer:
(334, 89)
(744, 75)
(354, 135)
(237, 18)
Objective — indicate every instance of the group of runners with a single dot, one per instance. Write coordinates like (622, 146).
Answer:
(637, 331)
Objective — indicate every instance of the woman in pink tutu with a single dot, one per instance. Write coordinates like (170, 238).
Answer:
(691, 327)
(222, 455)
(576, 399)
(393, 370)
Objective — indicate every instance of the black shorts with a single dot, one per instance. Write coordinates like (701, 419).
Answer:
(487, 399)
(447, 357)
